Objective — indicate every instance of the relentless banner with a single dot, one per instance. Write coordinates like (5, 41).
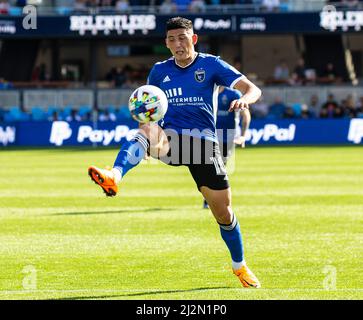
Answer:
(76, 25)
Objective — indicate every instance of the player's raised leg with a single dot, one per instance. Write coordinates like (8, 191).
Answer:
(150, 138)
(220, 204)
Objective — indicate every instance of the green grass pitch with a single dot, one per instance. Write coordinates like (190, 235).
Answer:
(300, 210)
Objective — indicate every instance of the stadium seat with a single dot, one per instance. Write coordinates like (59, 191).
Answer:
(123, 114)
(276, 112)
(2, 113)
(111, 109)
(51, 110)
(38, 114)
(284, 7)
(83, 110)
(64, 10)
(296, 107)
(15, 11)
(15, 114)
(66, 112)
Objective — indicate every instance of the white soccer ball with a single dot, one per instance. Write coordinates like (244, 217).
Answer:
(148, 103)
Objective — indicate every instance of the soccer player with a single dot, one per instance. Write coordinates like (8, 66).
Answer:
(187, 134)
(228, 124)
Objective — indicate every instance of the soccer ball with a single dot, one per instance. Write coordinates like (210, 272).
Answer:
(148, 103)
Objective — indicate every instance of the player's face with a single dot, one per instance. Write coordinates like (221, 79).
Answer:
(181, 44)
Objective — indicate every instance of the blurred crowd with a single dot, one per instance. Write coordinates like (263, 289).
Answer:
(329, 109)
(304, 75)
(174, 6)
(127, 77)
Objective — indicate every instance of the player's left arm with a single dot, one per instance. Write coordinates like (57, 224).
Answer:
(251, 93)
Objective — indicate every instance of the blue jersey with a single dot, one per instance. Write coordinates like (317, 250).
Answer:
(192, 92)
(225, 119)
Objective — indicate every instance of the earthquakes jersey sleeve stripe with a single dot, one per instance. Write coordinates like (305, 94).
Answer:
(235, 81)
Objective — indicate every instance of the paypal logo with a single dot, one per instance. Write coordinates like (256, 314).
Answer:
(60, 131)
(355, 133)
(207, 24)
(104, 136)
(7, 135)
(271, 131)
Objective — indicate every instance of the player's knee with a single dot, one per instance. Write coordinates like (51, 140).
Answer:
(223, 213)
(224, 217)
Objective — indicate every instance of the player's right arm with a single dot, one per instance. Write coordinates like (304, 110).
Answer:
(228, 76)
(251, 93)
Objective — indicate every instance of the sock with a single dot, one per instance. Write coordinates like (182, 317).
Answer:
(231, 234)
(117, 174)
(130, 155)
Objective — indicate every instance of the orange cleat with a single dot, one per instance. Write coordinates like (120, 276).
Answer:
(105, 179)
(247, 278)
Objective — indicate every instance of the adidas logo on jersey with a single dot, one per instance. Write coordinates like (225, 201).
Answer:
(166, 79)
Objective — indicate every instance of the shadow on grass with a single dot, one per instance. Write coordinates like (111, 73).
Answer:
(111, 211)
(138, 294)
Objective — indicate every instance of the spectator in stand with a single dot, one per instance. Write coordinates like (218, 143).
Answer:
(282, 73)
(105, 3)
(197, 6)
(122, 5)
(119, 77)
(106, 115)
(87, 116)
(79, 5)
(74, 116)
(40, 73)
(259, 109)
(360, 108)
(168, 7)
(331, 109)
(55, 116)
(109, 75)
(299, 74)
(306, 113)
(92, 3)
(329, 74)
(4, 7)
(349, 107)
(289, 113)
(277, 109)
(314, 107)
(4, 85)
(270, 5)
(350, 4)
(360, 102)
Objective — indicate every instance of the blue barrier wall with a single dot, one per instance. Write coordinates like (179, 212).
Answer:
(261, 132)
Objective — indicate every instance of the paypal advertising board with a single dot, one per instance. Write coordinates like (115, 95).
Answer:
(261, 132)
(62, 133)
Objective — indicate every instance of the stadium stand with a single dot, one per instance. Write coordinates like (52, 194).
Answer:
(293, 88)
(79, 104)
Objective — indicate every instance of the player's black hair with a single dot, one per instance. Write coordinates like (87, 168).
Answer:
(178, 23)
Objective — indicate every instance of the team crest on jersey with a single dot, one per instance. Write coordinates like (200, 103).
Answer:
(199, 75)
